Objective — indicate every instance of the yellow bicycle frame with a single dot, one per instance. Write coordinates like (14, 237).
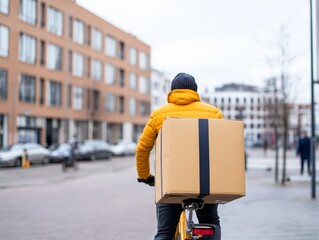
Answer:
(181, 228)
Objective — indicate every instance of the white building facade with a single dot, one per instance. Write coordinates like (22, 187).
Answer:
(255, 108)
(160, 87)
(241, 102)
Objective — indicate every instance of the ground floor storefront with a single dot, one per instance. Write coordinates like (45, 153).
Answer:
(50, 131)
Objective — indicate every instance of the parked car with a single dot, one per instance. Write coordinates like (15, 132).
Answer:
(60, 152)
(123, 147)
(94, 149)
(12, 156)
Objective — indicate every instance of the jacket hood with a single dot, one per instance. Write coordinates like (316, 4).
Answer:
(182, 96)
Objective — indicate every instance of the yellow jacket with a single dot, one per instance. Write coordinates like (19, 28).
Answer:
(181, 103)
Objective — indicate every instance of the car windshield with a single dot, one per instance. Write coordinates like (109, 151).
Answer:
(117, 142)
(63, 147)
(16, 147)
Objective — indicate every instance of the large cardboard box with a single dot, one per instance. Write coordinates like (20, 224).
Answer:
(200, 158)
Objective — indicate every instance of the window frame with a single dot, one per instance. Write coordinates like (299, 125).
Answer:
(54, 57)
(4, 47)
(54, 93)
(27, 91)
(78, 31)
(55, 21)
(77, 61)
(26, 14)
(97, 39)
(3, 84)
(96, 69)
(4, 8)
(25, 48)
(110, 46)
(77, 97)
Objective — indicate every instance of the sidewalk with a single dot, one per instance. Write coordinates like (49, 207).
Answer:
(258, 159)
(270, 210)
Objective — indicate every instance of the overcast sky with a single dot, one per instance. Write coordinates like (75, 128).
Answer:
(217, 41)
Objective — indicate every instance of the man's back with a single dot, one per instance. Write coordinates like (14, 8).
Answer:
(183, 101)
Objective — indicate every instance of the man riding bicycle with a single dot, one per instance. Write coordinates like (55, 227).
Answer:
(183, 101)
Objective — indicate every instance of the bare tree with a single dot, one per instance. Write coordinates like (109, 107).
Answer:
(281, 86)
(272, 108)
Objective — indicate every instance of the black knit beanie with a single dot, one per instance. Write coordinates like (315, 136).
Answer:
(184, 81)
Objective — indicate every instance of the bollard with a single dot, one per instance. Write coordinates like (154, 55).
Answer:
(25, 160)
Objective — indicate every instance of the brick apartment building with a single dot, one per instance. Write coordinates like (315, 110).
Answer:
(66, 71)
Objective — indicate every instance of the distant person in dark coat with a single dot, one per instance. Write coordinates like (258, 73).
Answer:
(304, 152)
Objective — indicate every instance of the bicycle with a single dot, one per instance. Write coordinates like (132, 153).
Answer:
(186, 228)
(68, 163)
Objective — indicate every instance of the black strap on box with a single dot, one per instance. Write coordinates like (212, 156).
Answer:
(203, 158)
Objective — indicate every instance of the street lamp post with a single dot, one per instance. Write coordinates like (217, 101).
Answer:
(313, 132)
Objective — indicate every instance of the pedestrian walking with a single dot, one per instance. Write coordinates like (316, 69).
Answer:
(303, 151)
(71, 160)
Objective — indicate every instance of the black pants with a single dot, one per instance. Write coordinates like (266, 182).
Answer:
(168, 217)
(303, 160)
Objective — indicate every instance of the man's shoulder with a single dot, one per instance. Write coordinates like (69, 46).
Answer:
(208, 107)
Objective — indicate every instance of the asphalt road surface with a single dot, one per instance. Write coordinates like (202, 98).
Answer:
(102, 201)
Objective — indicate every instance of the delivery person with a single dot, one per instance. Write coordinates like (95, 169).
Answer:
(183, 101)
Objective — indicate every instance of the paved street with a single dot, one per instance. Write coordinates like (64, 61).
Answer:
(102, 201)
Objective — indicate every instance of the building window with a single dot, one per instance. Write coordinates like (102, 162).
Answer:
(155, 100)
(54, 57)
(155, 86)
(27, 89)
(3, 84)
(55, 21)
(43, 14)
(54, 94)
(144, 85)
(77, 98)
(110, 74)
(96, 69)
(96, 100)
(28, 11)
(132, 104)
(133, 81)
(78, 31)
(77, 65)
(27, 48)
(122, 51)
(96, 39)
(133, 56)
(145, 108)
(121, 104)
(110, 46)
(109, 102)
(121, 77)
(143, 60)
(4, 41)
(42, 52)
(4, 6)
(42, 91)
